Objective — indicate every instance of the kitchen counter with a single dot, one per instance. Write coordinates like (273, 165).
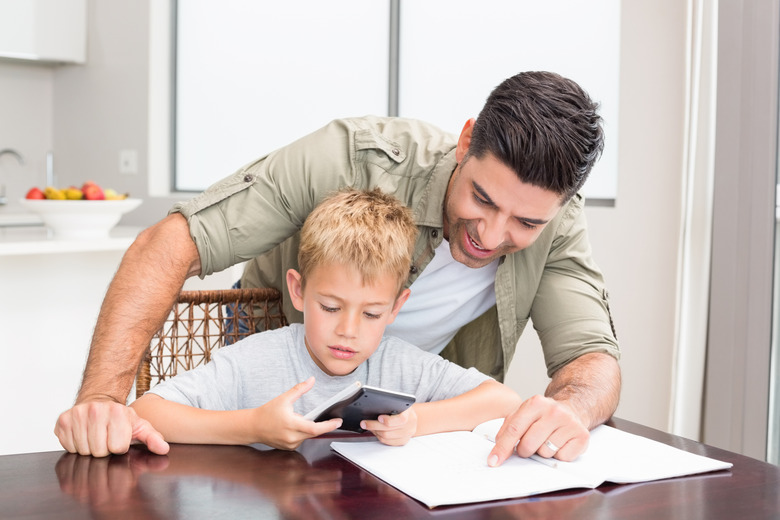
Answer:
(51, 291)
(34, 240)
(50, 295)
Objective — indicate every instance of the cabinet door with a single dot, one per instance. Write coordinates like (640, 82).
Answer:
(43, 30)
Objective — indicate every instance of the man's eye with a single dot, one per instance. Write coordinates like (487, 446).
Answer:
(527, 225)
(480, 200)
(328, 309)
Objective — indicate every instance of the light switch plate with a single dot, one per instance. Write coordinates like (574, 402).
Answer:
(128, 161)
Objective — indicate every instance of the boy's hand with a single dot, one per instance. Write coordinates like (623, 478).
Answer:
(393, 430)
(280, 427)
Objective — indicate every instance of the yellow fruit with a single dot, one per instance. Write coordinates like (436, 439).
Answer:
(111, 194)
(73, 193)
(53, 193)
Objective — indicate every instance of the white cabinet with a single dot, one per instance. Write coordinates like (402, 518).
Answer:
(44, 30)
(50, 295)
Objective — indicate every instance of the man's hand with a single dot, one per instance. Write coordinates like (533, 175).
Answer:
(541, 425)
(580, 396)
(280, 427)
(393, 430)
(101, 427)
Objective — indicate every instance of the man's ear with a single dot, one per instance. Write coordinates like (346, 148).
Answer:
(399, 302)
(464, 140)
(295, 287)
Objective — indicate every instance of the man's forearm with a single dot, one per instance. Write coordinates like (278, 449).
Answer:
(591, 384)
(138, 299)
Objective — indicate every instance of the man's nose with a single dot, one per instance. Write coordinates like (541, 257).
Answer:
(493, 232)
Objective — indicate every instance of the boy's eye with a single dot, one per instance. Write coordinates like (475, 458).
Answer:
(372, 316)
(328, 309)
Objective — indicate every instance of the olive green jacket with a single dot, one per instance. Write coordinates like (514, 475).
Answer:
(554, 282)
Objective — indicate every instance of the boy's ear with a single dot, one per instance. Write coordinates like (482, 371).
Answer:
(295, 286)
(464, 141)
(399, 302)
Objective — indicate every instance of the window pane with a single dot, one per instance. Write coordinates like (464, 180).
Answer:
(254, 76)
(463, 49)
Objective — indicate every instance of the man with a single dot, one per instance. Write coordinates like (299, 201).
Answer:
(502, 239)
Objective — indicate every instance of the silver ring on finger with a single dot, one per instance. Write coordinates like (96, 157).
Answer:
(550, 446)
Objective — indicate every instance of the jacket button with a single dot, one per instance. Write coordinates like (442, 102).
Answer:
(396, 152)
(435, 233)
(248, 178)
(413, 269)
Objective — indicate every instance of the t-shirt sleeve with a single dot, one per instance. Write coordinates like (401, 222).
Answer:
(213, 386)
(428, 376)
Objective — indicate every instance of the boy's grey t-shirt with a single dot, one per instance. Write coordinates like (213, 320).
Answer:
(262, 366)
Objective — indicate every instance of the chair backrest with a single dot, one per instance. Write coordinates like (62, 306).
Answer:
(202, 321)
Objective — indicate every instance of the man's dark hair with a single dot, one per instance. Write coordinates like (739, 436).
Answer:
(544, 127)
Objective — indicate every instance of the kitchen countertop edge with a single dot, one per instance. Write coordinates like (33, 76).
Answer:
(36, 240)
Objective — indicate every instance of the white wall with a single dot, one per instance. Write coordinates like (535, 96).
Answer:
(89, 113)
(25, 124)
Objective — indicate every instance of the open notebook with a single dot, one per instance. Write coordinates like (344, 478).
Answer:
(451, 468)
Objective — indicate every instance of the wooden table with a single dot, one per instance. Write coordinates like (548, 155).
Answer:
(313, 482)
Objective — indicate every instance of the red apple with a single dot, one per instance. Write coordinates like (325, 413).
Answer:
(92, 191)
(35, 193)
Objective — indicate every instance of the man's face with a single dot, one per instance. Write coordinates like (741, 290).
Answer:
(489, 212)
(344, 318)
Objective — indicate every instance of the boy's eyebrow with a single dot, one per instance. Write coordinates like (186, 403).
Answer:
(341, 300)
(479, 189)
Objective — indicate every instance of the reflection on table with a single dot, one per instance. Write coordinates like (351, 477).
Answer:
(314, 482)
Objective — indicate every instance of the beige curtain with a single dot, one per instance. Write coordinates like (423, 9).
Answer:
(696, 227)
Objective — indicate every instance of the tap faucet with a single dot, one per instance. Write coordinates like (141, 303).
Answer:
(11, 151)
(20, 159)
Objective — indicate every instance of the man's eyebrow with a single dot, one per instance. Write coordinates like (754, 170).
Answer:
(482, 193)
(536, 221)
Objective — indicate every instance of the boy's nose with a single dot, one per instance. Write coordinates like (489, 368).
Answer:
(348, 325)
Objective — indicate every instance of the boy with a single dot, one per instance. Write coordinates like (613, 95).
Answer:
(354, 258)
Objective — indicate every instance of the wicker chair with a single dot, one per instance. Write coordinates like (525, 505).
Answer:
(199, 324)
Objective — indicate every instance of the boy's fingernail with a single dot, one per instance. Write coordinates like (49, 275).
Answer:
(492, 461)
(363, 424)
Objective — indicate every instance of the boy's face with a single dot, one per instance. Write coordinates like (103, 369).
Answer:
(489, 212)
(344, 319)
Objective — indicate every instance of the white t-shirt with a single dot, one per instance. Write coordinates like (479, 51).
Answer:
(446, 296)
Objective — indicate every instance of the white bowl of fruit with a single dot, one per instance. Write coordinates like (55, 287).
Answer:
(83, 213)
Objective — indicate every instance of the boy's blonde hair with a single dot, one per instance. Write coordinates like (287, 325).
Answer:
(369, 231)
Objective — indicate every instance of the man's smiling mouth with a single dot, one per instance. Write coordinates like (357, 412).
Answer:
(475, 244)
